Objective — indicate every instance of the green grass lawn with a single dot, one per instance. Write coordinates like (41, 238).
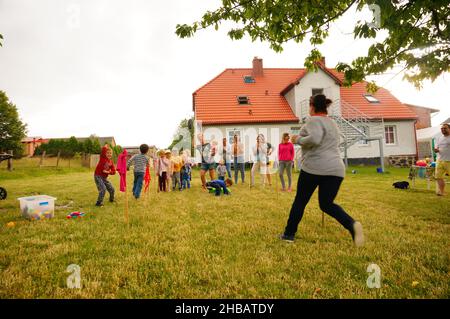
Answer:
(191, 244)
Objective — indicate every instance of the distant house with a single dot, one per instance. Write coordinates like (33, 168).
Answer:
(273, 101)
(133, 150)
(30, 144)
(423, 115)
(102, 140)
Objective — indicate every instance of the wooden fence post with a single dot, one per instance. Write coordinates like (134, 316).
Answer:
(57, 159)
(10, 168)
(42, 159)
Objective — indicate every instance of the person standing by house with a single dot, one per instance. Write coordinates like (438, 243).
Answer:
(322, 167)
(261, 151)
(226, 156)
(221, 170)
(207, 152)
(443, 158)
(237, 151)
(286, 161)
(140, 163)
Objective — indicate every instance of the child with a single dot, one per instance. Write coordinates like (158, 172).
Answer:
(177, 163)
(162, 167)
(221, 170)
(218, 184)
(186, 175)
(168, 155)
(140, 163)
(104, 168)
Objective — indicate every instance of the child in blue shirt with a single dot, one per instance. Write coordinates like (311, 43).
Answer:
(186, 175)
(218, 184)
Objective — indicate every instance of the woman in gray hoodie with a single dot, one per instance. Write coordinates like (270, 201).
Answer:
(322, 167)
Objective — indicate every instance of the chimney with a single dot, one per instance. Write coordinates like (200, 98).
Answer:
(257, 67)
(322, 61)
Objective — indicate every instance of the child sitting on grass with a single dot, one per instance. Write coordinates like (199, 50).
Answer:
(104, 168)
(218, 184)
(140, 163)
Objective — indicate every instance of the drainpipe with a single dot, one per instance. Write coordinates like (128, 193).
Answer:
(415, 139)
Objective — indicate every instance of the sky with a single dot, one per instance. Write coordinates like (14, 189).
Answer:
(117, 68)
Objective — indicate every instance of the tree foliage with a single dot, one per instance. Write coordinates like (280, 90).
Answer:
(418, 31)
(69, 147)
(12, 129)
(182, 139)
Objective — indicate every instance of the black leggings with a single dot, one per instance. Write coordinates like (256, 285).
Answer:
(328, 189)
(162, 181)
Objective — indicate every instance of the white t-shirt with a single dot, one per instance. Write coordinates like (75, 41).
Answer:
(443, 144)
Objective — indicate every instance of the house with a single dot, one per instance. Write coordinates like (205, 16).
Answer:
(133, 150)
(423, 115)
(30, 144)
(102, 140)
(272, 101)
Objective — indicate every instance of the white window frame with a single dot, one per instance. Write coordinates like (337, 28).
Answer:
(230, 139)
(371, 99)
(394, 134)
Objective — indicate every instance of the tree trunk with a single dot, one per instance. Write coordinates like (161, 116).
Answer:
(10, 168)
(57, 159)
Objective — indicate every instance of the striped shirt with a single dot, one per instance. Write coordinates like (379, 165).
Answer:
(139, 161)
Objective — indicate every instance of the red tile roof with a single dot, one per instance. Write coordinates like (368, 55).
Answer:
(216, 101)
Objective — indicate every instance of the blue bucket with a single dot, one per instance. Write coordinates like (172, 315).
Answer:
(379, 170)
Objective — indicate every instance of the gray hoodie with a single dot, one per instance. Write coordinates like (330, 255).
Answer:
(319, 139)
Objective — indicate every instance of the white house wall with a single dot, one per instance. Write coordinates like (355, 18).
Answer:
(272, 132)
(303, 90)
(405, 143)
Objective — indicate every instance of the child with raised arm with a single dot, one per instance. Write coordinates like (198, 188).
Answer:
(104, 168)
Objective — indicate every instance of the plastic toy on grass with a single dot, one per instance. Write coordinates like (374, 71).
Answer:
(212, 190)
(75, 215)
(37, 207)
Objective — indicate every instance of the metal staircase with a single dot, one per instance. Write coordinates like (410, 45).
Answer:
(354, 125)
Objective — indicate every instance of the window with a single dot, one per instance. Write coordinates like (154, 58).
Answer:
(231, 133)
(243, 100)
(389, 134)
(371, 98)
(295, 130)
(316, 91)
(249, 79)
(365, 130)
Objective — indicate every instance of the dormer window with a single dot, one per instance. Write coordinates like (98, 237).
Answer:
(243, 99)
(316, 91)
(249, 79)
(371, 98)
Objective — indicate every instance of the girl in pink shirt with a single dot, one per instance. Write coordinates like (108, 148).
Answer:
(286, 161)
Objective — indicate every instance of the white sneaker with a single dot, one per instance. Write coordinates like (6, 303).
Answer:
(358, 234)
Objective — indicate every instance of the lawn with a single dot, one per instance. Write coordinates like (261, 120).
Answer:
(191, 244)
